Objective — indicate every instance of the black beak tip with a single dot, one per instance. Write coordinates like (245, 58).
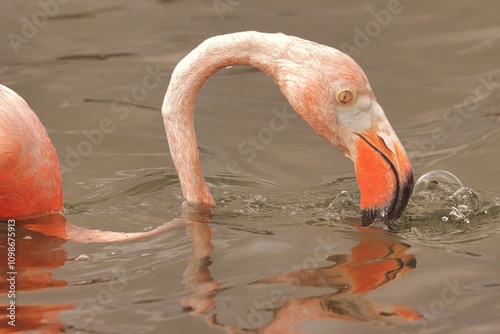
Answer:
(384, 217)
(376, 217)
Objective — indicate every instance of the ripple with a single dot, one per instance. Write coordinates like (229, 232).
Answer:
(488, 285)
(100, 56)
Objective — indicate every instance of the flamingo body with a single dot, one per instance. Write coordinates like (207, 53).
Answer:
(30, 178)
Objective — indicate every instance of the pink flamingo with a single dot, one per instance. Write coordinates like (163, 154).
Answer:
(326, 88)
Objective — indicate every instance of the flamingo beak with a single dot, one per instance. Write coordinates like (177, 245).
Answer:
(384, 175)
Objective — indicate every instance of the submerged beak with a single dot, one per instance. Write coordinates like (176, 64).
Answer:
(384, 175)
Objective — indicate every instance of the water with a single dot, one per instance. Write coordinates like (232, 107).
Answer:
(282, 252)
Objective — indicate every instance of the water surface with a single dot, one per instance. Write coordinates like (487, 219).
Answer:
(282, 249)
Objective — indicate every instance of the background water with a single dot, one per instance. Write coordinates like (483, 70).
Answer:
(288, 210)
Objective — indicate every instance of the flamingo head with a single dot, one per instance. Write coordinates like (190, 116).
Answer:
(336, 100)
(30, 178)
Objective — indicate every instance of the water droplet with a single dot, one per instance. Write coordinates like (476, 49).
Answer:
(457, 215)
(82, 257)
(467, 199)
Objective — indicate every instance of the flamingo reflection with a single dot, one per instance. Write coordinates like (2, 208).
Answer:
(374, 262)
(37, 255)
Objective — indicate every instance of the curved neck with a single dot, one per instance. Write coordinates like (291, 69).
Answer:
(263, 51)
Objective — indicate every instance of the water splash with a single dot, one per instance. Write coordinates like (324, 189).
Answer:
(437, 181)
(442, 208)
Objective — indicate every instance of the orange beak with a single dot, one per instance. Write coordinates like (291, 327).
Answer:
(384, 175)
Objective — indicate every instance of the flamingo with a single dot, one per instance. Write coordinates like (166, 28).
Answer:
(326, 87)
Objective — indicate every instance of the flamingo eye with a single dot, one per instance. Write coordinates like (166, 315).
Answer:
(345, 96)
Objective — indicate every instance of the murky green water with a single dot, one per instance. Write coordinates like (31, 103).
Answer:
(282, 253)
